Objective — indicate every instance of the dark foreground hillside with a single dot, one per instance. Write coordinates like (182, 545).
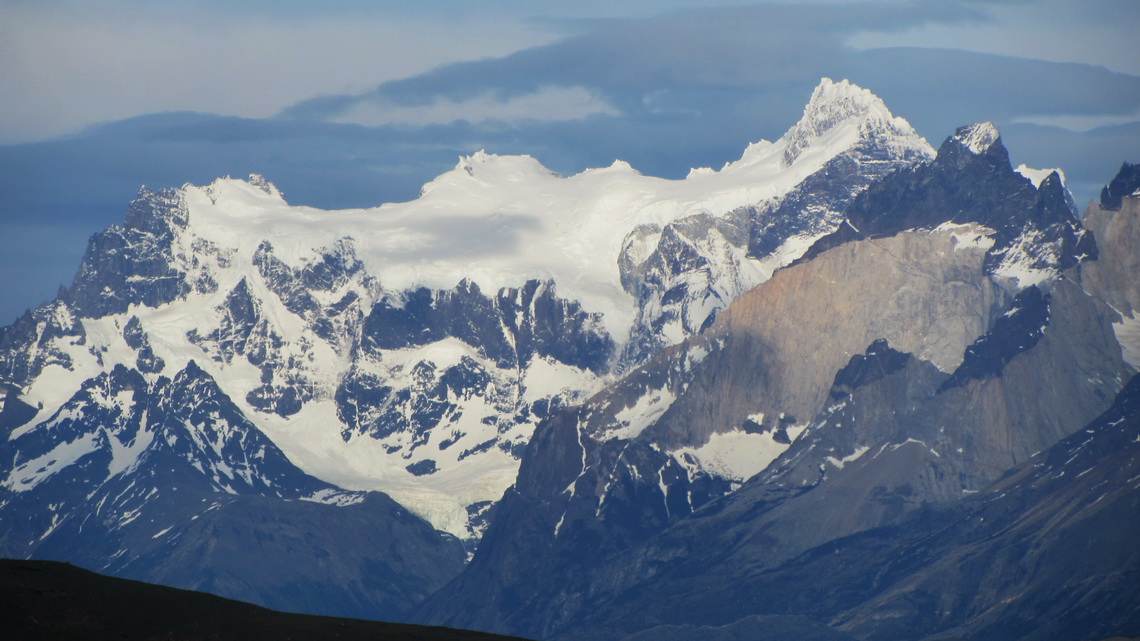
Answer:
(50, 600)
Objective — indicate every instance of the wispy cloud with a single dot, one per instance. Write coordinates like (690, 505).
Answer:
(1093, 32)
(719, 62)
(106, 61)
(547, 103)
(627, 62)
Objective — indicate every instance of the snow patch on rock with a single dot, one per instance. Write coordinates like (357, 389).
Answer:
(735, 455)
(978, 138)
(643, 413)
(1036, 176)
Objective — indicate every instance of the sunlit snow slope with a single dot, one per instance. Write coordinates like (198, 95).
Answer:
(502, 220)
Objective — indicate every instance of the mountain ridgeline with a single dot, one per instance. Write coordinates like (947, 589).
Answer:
(914, 375)
(845, 387)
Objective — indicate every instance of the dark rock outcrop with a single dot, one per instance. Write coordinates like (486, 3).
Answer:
(1112, 277)
(140, 262)
(971, 181)
(35, 341)
(511, 327)
(1125, 183)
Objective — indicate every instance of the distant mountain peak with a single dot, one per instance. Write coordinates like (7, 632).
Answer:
(834, 103)
(978, 137)
(979, 146)
(254, 188)
(1126, 183)
(843, 95)
(1038, 176)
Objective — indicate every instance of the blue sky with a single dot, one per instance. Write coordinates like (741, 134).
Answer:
(355, 103)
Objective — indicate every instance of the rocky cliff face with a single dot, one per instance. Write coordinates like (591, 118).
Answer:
(1044, 552)
(38, 340)
(687, 271)
(1126, 183)
(873, 449)
(1035, 233)
(883, 374)
(1112, 277)
(142, 261)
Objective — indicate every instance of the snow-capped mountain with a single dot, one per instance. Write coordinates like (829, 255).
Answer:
(1035, 232)
(568, 382)
(686, 271)
(163, 479)
(412, 348)
(959, 322)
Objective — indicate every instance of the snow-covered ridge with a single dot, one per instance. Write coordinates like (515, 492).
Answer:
(1036, 176)
(274, 301)
(502, 220)
(834, 104)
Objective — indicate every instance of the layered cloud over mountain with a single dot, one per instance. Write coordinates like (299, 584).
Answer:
(392, 103)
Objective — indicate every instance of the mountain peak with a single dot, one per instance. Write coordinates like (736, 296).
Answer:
(1038, 176)
(255, 188)
(978, 145)
(499, 173)
(833, 104)
(259, 181)
(1126, 183)
(978, 137)
(844, 94)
